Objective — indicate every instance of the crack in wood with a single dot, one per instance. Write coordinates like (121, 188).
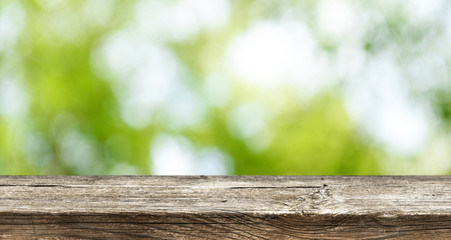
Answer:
(275, 187)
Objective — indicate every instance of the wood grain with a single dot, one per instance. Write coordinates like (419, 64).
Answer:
(225, 207)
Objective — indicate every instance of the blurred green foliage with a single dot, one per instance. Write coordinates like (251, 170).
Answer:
(73, 119)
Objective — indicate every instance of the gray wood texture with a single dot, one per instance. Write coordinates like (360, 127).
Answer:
(225, 207)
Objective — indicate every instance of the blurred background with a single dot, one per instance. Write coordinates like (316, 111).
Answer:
(225, 87)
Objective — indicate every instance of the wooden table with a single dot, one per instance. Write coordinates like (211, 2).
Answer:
(225, 207)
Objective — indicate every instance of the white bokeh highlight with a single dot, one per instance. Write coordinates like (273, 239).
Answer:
(176, 155)
(336, 18)
(14, 99)
(379, 102)
(12, 23)
(276, 53)
(181, 19)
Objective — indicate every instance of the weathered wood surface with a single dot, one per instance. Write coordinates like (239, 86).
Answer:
(234, 207)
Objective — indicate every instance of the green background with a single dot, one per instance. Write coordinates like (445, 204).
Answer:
(159, 87)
